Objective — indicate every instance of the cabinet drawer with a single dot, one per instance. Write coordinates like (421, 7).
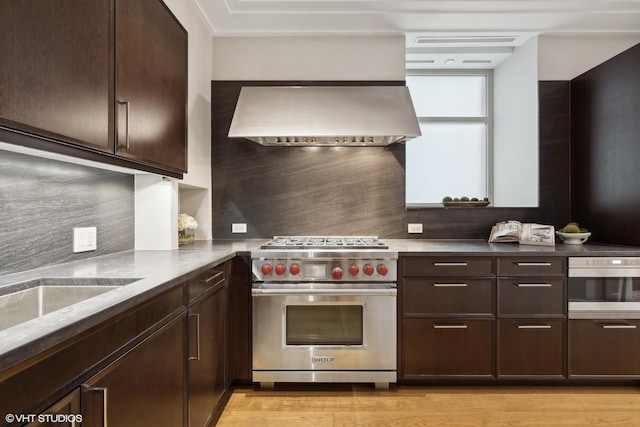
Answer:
(445, 347)
(604, 348)
(451, 295)
(531, 266)
(532, 297)
(447, 266)
(531, 347)
(204, 282)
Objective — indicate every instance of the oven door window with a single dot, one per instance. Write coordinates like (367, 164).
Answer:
(334, 325)
(604, 289)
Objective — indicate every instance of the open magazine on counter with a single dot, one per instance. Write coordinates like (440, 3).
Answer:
(523, 233)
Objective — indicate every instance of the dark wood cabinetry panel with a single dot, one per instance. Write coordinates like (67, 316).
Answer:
(151, 84)
(531, 348)
(447, 347)
(435, 297)
(604, 348)
(207, 351)
(55, 78)
(531, 296)
(144, 387)
(532, 266)
(67, 407)
(239, 285)
(448, 266)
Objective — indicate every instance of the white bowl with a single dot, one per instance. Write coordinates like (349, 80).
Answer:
(573, 238)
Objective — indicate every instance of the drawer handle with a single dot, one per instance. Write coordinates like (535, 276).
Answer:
(196, 333)
(533, 326)
(533, 264)
(450, 264)
(459, 326)
(450, 285)
(624, 325)
(534, 285)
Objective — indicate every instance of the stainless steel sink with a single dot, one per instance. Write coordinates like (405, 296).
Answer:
(25, 301)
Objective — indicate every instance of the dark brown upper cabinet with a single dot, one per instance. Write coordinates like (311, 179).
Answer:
(150, 84)
(104, 80)
(54, 77)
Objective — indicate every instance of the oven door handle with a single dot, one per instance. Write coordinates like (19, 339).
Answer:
(324, 292)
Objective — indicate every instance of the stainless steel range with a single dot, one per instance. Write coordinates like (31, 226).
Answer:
(324, 310)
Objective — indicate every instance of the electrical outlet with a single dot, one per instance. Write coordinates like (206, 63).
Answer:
(240, 227)
(414, 228)
(85, 239)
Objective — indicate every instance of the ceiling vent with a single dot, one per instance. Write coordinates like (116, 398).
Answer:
(464, 40)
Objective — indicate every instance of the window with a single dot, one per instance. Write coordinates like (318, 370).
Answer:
(453, 155)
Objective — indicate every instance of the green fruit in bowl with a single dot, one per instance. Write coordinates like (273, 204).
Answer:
(464, 199)
(583, 230)
(571, 228)
(447, 199)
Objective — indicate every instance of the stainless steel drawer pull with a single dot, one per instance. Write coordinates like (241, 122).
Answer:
(533, 285)
(450, 264)
(195, 317)
(450, 285)
(103, 392)
(533, 264)
(616, 325)
(127, 104)
(530, 326)
(435, 326)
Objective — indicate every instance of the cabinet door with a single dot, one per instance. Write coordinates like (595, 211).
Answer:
(151, 84)
(207, 356)
(64, 413)
(144, 387)
(435, 297)
(528, 347)
(606, 347)
(438, 347)
(55, 73)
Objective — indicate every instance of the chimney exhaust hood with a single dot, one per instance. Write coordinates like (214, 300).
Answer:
(325, 115)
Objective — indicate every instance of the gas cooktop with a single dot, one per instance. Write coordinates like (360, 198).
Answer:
(324, 242)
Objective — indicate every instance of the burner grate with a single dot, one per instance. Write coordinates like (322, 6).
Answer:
(324, 242)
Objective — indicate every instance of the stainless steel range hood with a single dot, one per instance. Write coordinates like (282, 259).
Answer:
(325, 115)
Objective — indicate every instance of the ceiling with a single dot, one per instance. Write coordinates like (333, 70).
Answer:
(482, 33)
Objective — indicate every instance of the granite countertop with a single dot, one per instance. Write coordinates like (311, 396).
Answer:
(157, 271)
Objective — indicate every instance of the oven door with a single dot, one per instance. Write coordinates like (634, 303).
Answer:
(604, 297)
(324, 329)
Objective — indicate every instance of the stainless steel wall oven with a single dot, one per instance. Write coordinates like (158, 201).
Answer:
(324, 311)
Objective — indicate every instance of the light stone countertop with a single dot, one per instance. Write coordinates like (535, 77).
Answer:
(161, 270)
(157, 271)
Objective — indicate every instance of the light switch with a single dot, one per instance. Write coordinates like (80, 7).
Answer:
(414, 229)
(240, 227)
(85, 239)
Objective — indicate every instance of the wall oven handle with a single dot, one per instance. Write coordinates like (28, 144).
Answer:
(324, 292)
(616, 325)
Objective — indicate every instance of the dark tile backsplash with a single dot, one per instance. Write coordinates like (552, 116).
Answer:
(42, 200)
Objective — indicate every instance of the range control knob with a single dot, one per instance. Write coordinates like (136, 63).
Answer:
(280, 269)
(354, 270)
(294, 269)
(368, 269)
(336, 273)
(266, 269)
(382, 269)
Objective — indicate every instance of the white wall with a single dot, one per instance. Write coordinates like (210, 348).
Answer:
(567, 57)
(515, 160)
(309, 58)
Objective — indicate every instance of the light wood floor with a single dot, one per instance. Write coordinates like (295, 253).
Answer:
(435, 406)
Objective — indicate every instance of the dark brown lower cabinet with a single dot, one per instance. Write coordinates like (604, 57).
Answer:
(207, 355)
(64, 413)
(604, 348)
(144, 387)
(531, 347)
(447, 347)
